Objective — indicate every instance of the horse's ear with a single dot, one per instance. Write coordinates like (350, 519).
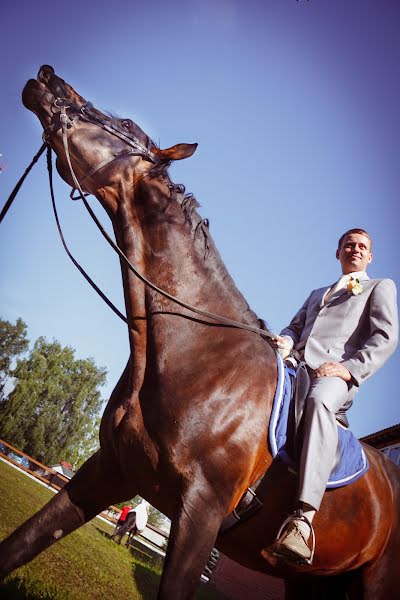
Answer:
(177, 152)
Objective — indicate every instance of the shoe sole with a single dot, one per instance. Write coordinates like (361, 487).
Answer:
(292, 556)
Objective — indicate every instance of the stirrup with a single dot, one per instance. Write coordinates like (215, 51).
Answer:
(296, 516)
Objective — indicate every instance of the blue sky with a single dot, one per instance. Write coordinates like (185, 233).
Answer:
(294, 105)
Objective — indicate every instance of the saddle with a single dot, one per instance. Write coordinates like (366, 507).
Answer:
(285, 438)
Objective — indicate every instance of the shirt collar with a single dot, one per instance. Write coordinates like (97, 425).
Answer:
(361, 275)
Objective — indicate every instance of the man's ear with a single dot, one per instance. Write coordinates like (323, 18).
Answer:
(177, 152)
(337, 253)
(370, 258)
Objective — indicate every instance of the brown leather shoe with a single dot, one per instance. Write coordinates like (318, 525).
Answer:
(293, 545)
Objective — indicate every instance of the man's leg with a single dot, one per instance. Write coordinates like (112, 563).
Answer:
(320, 439)
(318, 455)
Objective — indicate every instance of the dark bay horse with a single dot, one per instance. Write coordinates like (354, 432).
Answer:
(186, 426)
(128, 526)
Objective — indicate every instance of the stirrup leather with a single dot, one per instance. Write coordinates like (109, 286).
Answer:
(296, 516)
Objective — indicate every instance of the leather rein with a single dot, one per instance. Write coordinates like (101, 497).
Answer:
(136, 148)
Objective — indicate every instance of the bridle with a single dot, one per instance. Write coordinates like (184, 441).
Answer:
(86, 113)
(135, 148)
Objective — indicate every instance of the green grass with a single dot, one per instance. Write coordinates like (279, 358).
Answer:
(86, 565)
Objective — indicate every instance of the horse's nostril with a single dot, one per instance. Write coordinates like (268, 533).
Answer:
(45, 72)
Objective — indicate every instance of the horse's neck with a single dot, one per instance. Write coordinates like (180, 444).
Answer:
(176, 253)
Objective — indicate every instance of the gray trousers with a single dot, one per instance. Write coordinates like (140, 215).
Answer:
(320, 438)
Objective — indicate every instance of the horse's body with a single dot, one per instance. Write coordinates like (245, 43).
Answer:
(186, 426)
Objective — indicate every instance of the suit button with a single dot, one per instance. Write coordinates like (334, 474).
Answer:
(311, 335)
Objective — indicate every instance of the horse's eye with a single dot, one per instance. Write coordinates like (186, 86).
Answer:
(126, 123)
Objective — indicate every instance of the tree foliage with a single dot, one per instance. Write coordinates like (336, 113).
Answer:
(157, 518)
(13, 342)
(53, 411)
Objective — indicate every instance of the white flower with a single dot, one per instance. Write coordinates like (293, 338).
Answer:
(354, 287)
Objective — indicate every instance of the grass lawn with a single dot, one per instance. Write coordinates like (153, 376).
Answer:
(85, 565)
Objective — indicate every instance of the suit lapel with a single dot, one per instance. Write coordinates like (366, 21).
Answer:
(340, 292)
(334, 296)
(324, 293)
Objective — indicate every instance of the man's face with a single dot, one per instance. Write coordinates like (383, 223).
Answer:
(354, 253)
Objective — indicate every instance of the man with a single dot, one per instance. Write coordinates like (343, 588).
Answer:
(344, 333)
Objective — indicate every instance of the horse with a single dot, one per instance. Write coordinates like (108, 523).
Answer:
(186, 426)
(128, 526)
(136, 520)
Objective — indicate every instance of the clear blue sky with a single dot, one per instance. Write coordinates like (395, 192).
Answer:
(295, 106)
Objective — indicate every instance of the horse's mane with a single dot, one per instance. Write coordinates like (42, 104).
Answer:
(187, 202)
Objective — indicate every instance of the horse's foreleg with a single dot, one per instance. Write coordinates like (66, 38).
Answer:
(90, 491)
(118, 534)
(191, 540)
(131, 534)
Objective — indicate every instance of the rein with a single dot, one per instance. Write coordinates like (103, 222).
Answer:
(138, 149)
(21, 181)
(77, 265)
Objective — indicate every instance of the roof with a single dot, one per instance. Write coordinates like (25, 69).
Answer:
(61, 468)
(384, 437)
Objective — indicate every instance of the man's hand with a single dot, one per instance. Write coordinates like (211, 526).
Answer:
(283, 346)
(333, 369)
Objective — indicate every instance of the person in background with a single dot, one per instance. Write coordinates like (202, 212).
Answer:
(136, 520)
(121, 519)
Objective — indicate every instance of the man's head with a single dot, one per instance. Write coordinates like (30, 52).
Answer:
(354, 251)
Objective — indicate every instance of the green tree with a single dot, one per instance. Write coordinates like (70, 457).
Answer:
(157, 518)
(53, 411)
(13, 342)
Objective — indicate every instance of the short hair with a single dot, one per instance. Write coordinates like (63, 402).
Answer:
(350, 231)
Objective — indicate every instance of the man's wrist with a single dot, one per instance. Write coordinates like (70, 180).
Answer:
(350, 376)
(347, 375)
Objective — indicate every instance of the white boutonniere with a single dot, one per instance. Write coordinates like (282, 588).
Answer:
(354, 287)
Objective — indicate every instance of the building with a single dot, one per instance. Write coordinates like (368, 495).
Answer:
(64, 468)
(386, 440)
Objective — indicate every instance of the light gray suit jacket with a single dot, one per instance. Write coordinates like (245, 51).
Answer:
(360, 331)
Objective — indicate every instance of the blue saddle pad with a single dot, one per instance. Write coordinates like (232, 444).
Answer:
(353, 462)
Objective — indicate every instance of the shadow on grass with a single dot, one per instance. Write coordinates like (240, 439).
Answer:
(147, 580)
(108, 536)
(16, 589)
(104, 533)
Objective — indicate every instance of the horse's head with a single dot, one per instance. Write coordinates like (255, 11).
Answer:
(102, 149)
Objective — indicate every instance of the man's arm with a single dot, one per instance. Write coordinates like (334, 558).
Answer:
(384, 331)
(291, 334)
(295, 328)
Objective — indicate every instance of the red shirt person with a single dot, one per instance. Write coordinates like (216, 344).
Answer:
(124, 512)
